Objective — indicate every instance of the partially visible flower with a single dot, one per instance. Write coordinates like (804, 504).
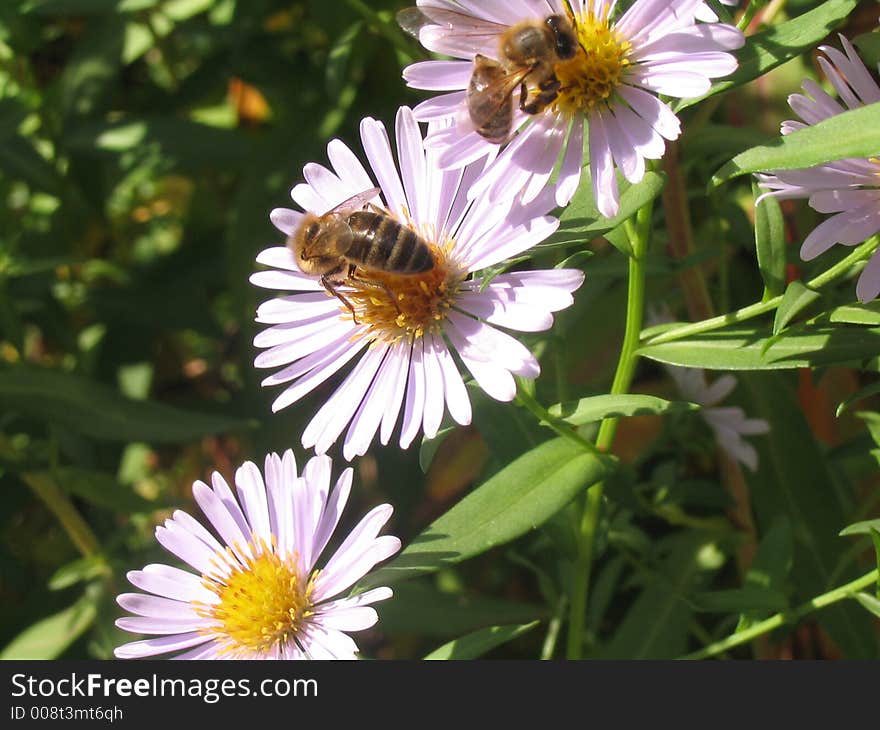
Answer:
(258, 592)
(729, 423)
(850, 188)
(608, 90)
(406, 329)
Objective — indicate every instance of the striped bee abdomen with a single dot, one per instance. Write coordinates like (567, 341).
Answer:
(381, 243)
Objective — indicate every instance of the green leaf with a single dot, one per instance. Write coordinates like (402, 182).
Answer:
(860, 528)
(795, 480)
(770, 243)
(95, 410)
(749, 349)
(479, 642)
(853, 133)
(582, 221)
(102, 490)
(872, 421)
(428, 449)
(49, 637)
(420, 608)
(519, 498)
(87, 79)
(796, 299)
(599, 407)
(771, 566)
(741, 600)
(77, 572)
(869, 48)
(867, 314)
(779, 43)
(869, 603)
(19, 160)
(863, 393)
(658, 622)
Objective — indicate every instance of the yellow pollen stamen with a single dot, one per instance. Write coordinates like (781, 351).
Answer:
(263, 600)
(396, 306)
(596, 70)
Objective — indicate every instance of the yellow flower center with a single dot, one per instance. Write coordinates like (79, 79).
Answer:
(263, 601)
(396, 306)
(595, 71)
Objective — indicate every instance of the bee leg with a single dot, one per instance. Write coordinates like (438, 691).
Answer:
(382, 286)
(328, 285)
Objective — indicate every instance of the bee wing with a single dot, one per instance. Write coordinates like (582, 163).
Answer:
(355, 202)
(412, 20)
(487, 99)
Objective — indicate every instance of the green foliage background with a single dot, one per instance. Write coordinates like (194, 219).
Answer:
(142, 145)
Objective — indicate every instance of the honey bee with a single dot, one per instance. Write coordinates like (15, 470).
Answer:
(355, 240)
(528, 53)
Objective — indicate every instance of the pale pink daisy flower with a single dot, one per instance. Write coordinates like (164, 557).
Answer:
(258, 591)
(408, 329)
(708, 15)
(728, 423)
(850, 188)
(608, 89)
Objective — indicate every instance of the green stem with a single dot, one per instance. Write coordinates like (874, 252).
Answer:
(786, 617)
(527, 400)
(626, 365)
(77, 529)
(759, 308)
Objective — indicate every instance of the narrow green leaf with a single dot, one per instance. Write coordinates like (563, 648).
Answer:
(748, 349)
(658, 622)
(796, 299)
(420, 608)
(863, 393)
(428, 449)
(771, 567)
(102, 490)
(770, 244)
(794, 479)
(599, 407)
(853, 133)
(49, 637)
(861, 528)
(776, 45)
(867, 314)
(869, 603)
(742, 600)
(96, 410)
(479, 642)
(78, 571)
(519, 498)
(875, 538)
(872, 421)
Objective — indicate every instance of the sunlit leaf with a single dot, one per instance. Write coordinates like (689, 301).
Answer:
(49, 637)
(479, 642)
(599, 407)
(519, 498)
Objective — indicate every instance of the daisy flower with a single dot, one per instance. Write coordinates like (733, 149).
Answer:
(850, 188)
(257, 592)
(407, 333)
(608, 89)
(728, 423)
